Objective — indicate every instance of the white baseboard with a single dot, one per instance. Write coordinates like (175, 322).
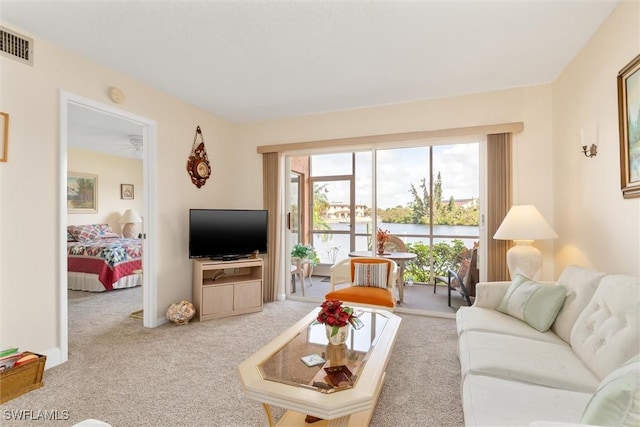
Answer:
(160, 321)
(54, 357)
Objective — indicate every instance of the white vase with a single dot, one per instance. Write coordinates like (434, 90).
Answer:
(340, 337)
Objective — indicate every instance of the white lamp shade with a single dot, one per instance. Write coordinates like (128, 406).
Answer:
(524, 222)
(130, 216)
(130, 219)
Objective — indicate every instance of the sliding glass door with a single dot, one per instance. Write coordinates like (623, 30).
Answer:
(426, 194)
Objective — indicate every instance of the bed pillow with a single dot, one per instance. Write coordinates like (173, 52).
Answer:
(105, 232)
(81, 233)
(535, 303)
(370, 274)
(70, 237)
(616, 402)
(89, 232)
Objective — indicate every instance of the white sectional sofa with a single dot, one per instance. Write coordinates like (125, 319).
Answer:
(584, 369)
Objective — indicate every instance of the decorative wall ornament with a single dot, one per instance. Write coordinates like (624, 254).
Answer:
(198, 165)
(629, 124)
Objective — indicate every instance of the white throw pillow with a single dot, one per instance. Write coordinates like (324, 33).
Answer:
(533, 302)
(370, 274)
(616, 402)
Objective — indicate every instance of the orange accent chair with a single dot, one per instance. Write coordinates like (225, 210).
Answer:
(368, 282)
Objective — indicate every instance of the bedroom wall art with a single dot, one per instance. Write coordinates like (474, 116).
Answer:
(126, 191)
(82, 193)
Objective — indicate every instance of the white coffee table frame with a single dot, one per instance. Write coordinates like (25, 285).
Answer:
(353, 406)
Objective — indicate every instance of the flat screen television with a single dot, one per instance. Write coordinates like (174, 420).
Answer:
(227, 233)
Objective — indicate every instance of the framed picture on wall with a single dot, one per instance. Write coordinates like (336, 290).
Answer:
(126, 191)
(629, 124)
(4, 136)
(82, 193)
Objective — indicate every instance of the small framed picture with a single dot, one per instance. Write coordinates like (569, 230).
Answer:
(126, 191)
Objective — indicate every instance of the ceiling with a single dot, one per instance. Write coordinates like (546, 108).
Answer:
(93, 130)
(257, 60)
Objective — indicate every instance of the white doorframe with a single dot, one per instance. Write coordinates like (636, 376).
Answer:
(149, 253)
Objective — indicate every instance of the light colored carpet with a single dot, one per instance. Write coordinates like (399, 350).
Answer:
(126, 375)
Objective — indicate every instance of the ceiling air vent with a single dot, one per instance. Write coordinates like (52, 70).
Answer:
(16, 46)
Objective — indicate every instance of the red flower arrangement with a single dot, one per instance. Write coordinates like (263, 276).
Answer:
(334, 314)
(382, 236)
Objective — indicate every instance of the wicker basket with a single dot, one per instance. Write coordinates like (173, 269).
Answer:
(15, 382)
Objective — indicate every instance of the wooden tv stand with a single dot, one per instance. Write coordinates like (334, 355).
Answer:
(226, 288)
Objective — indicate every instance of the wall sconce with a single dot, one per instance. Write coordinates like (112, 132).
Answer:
(590, 151)
(586, 150)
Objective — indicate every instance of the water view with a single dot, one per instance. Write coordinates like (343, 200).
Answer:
(325, 244)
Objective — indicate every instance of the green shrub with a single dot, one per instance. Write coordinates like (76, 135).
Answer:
(445, 256)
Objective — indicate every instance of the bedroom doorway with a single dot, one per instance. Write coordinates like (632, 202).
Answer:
(142, 139)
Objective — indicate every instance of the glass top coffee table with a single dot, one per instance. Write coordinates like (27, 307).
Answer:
(276, 374)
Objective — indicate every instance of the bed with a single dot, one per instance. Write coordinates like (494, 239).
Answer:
(99, 260)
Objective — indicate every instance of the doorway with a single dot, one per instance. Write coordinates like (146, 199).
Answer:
(148, 129)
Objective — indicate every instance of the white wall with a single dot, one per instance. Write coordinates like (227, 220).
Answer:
(30, 194)
(598, 228)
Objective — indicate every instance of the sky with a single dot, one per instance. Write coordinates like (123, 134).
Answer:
(398, 168)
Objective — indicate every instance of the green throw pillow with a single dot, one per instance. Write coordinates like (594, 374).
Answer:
(533, 302)
(616, 402)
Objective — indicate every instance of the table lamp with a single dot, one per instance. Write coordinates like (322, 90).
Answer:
(130, 219)
(524, 224)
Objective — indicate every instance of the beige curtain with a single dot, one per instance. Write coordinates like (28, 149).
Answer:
(272, 199)
(499, 195)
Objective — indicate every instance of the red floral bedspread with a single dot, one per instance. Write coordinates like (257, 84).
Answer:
(110, 259)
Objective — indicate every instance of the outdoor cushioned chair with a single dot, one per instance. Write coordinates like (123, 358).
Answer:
(463, 279)
(370, 281)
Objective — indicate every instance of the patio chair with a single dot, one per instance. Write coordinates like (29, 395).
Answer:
(463, 279)
(370, 281)
(395, 244)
